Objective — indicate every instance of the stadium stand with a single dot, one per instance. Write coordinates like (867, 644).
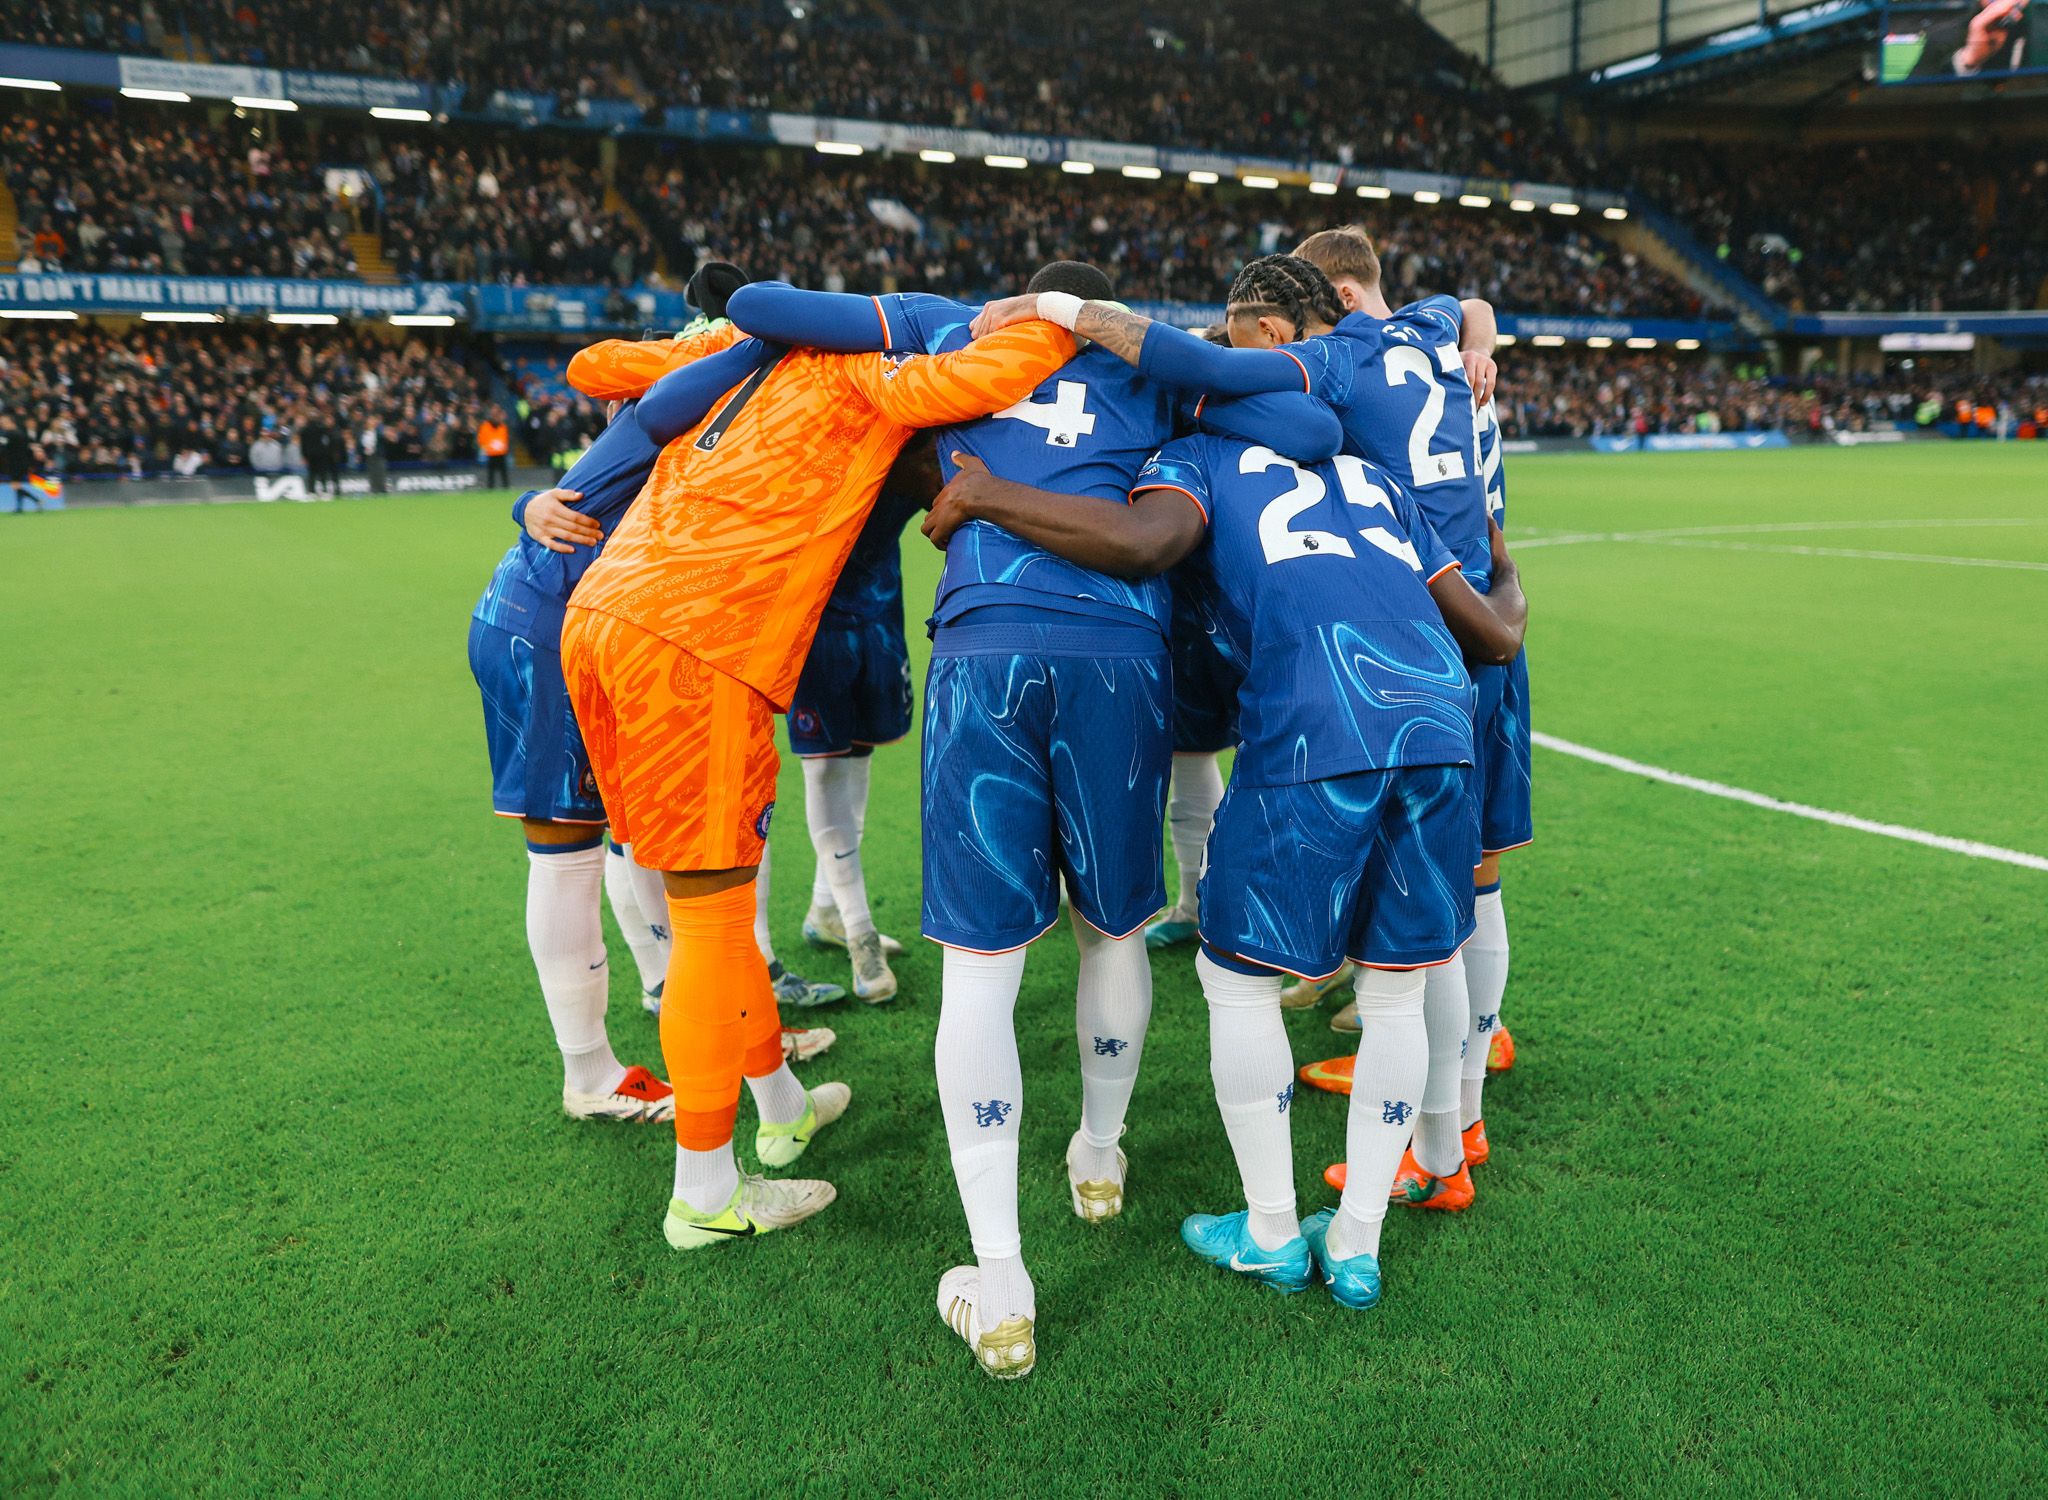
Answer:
(1110, 69)
(1880, 225)
(151, 400)
(136, 194)
(133, 192)
(497, 210)
(964, 231)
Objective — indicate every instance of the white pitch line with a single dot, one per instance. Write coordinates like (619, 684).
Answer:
(1720, 544)
(1766, 528)
(1968, 847)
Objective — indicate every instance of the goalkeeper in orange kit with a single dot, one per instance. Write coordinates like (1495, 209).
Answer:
(682, 643)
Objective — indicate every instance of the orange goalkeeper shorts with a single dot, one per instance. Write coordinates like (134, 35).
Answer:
(684, 755)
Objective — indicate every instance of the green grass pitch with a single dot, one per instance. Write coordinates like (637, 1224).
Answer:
(287, 1204)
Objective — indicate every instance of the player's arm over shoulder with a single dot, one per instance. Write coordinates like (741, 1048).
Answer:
(938, 390)
(1154, 530)
(620, 369)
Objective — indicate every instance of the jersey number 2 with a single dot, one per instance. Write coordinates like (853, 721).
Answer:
(1405, 362)
(1281, 542)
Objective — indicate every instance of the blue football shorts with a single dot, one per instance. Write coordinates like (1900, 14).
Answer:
(854, 689)
(1372, 866)
(1038, 763)
(539, 769)
(1500, 739)
(1204, 694)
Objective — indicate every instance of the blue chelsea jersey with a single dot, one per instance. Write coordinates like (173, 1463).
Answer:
(1406, 405)
(1319, 577)
(1492, 471)
(532, 583)
(1086, 430)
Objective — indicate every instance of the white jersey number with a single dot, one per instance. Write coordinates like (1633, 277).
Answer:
(1281, 542)
(1405, 362)
(1066, 418)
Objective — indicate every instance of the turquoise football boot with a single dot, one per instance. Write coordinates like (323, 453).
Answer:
(1173, 928)
(1355, 1281)
(1226, 1240)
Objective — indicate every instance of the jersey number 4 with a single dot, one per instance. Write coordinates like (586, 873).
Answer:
(1282, 543)
(1406, 362)
(1066, 418)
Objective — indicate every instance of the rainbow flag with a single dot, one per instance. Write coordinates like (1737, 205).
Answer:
(52, 490)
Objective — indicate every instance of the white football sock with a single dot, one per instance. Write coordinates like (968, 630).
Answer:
(1486, 980)
(981, 1095)
(565, 930)
(778, 1097)
(1112, 1007)
(1191, 812)
(1446, 1016)
(835, 788)
(706, 1180)
(1393, 1063)
(1252, 1068)
(645, 932)
(761, 939)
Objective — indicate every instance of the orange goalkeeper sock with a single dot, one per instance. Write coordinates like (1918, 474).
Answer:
(711, 1004)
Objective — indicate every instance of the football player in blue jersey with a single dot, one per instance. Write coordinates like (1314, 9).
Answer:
(1500, 783)
(1505, 823)
(1346, 832)
(1400, 386)
(855, 694)
(541, 774)
(1046, 754)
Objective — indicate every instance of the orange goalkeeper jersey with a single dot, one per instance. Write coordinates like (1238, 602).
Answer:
(746, 521)
(620, 369)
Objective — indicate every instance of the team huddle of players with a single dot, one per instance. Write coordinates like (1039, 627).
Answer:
(1277, 538)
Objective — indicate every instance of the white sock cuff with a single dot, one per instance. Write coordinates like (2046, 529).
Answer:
(1226, 989)
(1389, 993)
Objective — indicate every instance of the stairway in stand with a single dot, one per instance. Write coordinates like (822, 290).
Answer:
(368, 248)
(10, 251)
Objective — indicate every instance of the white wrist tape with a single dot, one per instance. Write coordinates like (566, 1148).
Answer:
(1062, 308)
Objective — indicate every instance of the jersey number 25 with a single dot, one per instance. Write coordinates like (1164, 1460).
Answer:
(1281, 543)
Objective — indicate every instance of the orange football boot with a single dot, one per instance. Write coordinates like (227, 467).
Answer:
(1500, 1052)
(1416, 1188)
(1332, 1073)
(1474, 1137)
(1335, 1175)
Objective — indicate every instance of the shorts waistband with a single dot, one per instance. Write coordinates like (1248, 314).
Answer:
(1018, 638)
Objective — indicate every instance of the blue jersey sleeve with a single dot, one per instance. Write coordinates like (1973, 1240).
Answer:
(1298, 426)
(839, 322)
(519, 509)
(679, 400)
(1178, 466)
(1441, 308)
(1175, 357)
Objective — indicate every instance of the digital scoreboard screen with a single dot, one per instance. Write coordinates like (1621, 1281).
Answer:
(1963, 41)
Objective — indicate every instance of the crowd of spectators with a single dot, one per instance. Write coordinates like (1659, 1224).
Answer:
(1876, 226)
(1587, 393)
(1323, 78)
(498, 209)
(966, 230)
(172, 399)
(155, 190)
(95, 193)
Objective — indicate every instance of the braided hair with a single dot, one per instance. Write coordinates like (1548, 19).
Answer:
(1286, 285)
